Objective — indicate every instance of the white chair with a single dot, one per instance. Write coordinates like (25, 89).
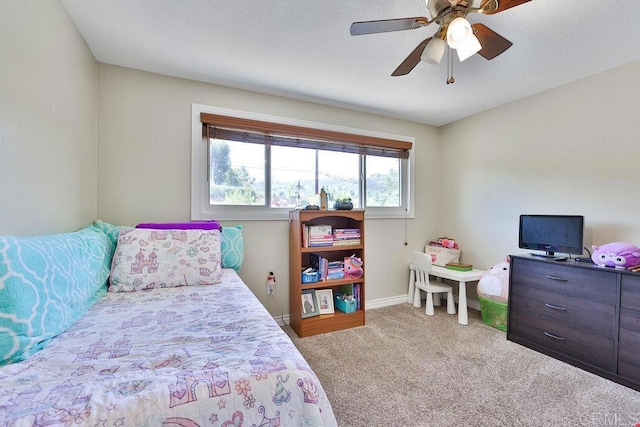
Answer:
(422, 267)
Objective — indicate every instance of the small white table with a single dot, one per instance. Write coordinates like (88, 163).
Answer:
(462, 277)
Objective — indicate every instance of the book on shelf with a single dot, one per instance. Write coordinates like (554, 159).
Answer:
(305, 236)
(324, 235)
(320, 230)
(353, 290)
(321, 265)
(346, 231)
(335, 274)
(314, 260)
(346, 242)
(330, 270)
(336, 264)
(316, 235)
(459, 266)
(350, 235)
(320, 242)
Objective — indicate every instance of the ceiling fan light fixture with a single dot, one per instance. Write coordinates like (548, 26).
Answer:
(458, 31)
(434, 50)
(468, 48)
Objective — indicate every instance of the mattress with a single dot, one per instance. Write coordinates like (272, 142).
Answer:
(187, 356)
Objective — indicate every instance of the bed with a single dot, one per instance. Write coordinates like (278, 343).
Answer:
(179, 356)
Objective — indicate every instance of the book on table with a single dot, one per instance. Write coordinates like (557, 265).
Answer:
(458, 266)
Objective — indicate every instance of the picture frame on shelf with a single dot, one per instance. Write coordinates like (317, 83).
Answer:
(325, 301)
(310, 306)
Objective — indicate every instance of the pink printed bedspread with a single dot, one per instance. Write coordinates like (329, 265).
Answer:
(190, 356)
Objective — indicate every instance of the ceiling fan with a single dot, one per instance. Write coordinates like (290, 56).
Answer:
(454, 29)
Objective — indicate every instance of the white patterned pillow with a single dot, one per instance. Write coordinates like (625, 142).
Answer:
(148, 258)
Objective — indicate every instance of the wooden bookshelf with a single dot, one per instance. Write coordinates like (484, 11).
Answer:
(299, 260)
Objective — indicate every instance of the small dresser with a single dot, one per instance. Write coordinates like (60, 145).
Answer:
(578, 313)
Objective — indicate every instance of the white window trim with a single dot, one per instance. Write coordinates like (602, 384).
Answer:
(200, 208)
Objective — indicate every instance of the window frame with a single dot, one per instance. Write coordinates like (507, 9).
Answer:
(202, 210)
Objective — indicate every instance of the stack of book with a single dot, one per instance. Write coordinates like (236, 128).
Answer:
(346, 236)
(327, 270)
(335, 270)
(317, 235)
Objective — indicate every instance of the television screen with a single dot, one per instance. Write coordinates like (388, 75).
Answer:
(552, 233)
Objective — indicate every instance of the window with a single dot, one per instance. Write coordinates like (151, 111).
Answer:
(383, 182)
(250, 166)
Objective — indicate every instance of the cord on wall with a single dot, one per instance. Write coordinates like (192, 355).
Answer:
(271, 291)
(406, 227)
(281, 311)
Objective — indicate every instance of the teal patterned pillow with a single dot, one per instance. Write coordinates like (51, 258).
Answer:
(232, 247)
(112, 231)
(46, 284)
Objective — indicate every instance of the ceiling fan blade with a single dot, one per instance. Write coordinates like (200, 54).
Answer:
(386, 25)
(411, 61)
(502, 5)
(493, 44)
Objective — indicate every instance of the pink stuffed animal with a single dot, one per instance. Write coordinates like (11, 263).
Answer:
(448, 243)
(353, 267)
(494, 284)
(617, 254)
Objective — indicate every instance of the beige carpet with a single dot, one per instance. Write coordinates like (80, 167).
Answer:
(407, 369)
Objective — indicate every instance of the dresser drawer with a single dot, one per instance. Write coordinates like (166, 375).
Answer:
(594, 349)
(629, 326)
(629, 361)
(630, 291)
(564, 310)
(589, 284)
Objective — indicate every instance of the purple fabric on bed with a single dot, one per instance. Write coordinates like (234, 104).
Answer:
(192, 225)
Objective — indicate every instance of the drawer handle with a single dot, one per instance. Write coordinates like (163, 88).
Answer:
(555, 307)
(559, 279)
(555, 337)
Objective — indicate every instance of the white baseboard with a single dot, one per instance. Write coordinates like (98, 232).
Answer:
(401, 299)
(385, 302)
(382, 302)
(283, 320)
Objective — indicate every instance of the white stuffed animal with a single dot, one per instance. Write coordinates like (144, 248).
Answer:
(494, 284)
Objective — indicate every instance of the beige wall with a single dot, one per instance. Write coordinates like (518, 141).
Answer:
(48, 81)
(570, 150)
(144, 163)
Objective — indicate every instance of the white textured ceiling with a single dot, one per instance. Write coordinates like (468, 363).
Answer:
(302, 49)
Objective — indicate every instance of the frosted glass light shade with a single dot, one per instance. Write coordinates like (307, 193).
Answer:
(468, 48)
(458, 31)
(434, 50)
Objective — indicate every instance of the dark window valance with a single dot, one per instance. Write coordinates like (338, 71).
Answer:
(268, 133)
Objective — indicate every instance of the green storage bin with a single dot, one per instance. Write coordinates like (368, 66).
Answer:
(494, 313)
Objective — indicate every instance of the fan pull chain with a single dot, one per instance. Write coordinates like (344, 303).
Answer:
(450, 79)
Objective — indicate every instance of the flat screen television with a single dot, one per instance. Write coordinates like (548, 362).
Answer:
(552, 233)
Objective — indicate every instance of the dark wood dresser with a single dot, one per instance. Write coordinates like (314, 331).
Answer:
(579, 313)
